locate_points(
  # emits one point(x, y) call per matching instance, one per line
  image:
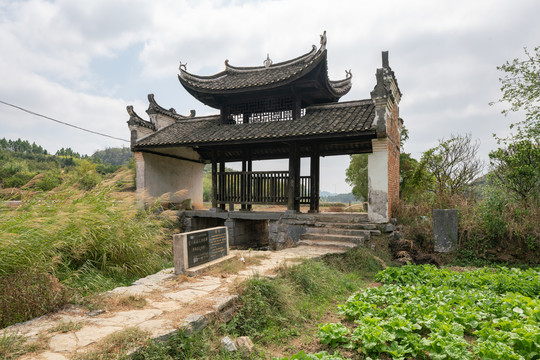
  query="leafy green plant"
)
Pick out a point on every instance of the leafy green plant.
point(334, 334)
point(323, 355)
point(424, 312)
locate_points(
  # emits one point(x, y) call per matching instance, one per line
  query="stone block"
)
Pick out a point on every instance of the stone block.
point(225, 303)
point(245, 345)
point(226, 315)
point(387, 228)
point(228, 344)
point(445, 229)
point(194, 323)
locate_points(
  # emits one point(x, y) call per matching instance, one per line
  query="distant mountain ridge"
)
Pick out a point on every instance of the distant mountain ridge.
point(333, 197)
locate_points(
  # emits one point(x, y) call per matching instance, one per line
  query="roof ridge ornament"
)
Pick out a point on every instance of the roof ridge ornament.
point(268, 62)
point(348, 74)
point(323, 41)
point(182, 67)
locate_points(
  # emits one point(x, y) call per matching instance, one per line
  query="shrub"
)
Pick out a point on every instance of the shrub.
point(492, 215)
point(18, 180)
point(87, 175)
point(49, 181)
point(264, 306)
point(29, 293)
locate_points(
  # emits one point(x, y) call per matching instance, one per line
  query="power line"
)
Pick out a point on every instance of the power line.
point(61, 122)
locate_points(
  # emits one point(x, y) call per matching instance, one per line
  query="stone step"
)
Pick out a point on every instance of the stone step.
point(328, 243)
point(359, 240)
point(339, 231)
point(341, 217)
point(359, 226)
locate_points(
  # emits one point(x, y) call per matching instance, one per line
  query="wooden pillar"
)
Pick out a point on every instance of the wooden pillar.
point(244, 180)
point(293, 201)
point(249, 182)
point(214, 180)
point(315, 176)
point(222, 186)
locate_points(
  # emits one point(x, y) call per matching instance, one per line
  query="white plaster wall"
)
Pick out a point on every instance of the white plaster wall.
point(159, 175)
point(378, 182)
point(163, 121)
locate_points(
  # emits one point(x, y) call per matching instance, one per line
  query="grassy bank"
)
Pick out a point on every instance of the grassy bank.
point(280, 315)
point(69, 242)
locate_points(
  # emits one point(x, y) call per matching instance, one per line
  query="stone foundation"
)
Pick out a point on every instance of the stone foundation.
point(262, 229)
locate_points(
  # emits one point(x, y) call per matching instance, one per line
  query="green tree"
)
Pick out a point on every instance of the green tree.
point(357, 172)
point(454, 163)
point(357, 175)
point(517, 168)
point(521, 91)
point(516, 164)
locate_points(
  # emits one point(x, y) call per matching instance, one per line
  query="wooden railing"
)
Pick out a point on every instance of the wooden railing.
point(305, 186)
point(258, 187)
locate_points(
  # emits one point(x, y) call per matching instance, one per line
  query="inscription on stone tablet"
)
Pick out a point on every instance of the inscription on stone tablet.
point(217, 243)
point(205, 246)
point(198, 249)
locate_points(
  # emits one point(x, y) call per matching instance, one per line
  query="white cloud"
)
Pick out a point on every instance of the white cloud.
point(444, 54)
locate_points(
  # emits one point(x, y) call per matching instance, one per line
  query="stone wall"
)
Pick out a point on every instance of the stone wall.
point(255, 230)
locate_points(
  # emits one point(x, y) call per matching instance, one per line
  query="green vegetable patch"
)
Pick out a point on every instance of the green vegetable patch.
point(422, 312)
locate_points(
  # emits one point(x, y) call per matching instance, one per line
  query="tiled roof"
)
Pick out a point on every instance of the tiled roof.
point(135, 119)
point(154, 107)
point(345, 118)
point(235, 79)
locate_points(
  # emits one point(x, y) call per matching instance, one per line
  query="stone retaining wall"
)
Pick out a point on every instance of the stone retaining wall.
point(263, 229)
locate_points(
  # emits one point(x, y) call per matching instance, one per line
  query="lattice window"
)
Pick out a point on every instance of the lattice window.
point(262, 110)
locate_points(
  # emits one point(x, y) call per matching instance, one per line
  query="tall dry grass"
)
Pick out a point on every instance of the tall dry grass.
point(89, 240)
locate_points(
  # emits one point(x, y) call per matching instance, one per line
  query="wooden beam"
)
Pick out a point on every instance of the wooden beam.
point(172, 156)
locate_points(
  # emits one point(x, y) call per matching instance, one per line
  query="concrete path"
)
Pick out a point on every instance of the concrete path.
point(171, 302)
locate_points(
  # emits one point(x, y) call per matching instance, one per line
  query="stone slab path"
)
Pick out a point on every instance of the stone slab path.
point(170, 302)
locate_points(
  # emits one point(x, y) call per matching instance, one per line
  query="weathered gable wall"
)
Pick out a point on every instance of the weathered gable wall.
point(158, 175)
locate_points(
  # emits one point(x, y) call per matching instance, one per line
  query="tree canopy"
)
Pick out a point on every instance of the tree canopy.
point(516, 165)
point(521, 90)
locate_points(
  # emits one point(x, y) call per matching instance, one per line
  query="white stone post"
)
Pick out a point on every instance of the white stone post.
point(378, 182)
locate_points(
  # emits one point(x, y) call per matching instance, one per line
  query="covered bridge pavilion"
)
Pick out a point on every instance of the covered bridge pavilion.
point(287, 110)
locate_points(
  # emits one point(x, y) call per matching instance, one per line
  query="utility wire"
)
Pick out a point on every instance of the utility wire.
point(61, 122)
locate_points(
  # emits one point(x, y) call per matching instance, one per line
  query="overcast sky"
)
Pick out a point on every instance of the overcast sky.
point(82, 62)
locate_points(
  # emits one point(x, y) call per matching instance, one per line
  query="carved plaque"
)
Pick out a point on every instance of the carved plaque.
point(205, 246)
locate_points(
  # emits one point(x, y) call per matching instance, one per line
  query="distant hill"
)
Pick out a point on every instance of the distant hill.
point(343, 198)
point(326, 193)
point(21, 161)
point(114, 156)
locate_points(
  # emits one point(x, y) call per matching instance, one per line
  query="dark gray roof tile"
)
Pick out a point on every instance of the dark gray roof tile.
point(347, 117)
